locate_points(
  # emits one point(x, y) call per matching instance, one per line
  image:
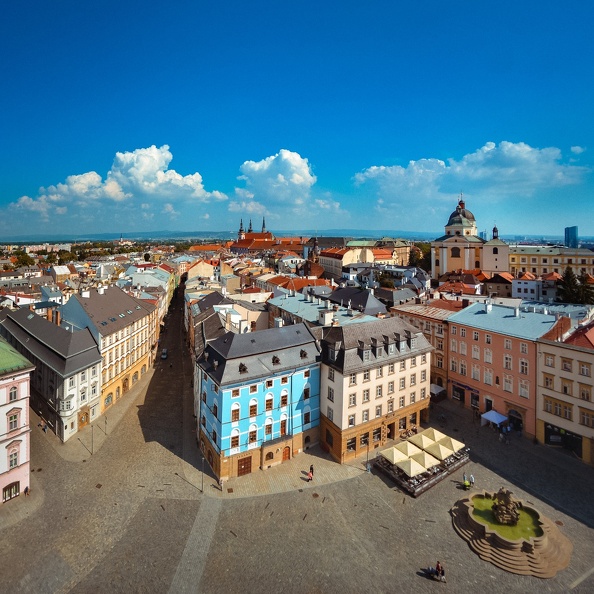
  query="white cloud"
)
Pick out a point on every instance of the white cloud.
point(577, 150)
point(135, 178)
point(492, 173)
point(283, 179)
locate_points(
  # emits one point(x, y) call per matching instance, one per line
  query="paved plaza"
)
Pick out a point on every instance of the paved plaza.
point(125, 507)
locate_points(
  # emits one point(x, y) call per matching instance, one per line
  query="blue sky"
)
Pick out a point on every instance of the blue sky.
point(189, 115)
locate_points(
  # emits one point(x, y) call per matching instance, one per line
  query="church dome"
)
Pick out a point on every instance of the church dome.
point(461, 216)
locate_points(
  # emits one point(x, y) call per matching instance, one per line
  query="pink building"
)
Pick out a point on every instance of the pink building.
point(15, 373)
point(492, 361)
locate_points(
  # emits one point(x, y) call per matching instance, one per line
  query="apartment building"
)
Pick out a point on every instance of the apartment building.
point(256, 399)
point(374, 384)
point(493, 360)
point(15, 371)
point(565, 404)
point(66, 383)
point(125, 329)
point(541, 260)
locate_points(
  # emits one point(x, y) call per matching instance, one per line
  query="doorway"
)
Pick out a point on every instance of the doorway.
point(286, 453)
point(244, 466)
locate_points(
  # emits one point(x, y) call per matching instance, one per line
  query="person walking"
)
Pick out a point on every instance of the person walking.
point(472, 480)
point(311, 469)
point(309, 476)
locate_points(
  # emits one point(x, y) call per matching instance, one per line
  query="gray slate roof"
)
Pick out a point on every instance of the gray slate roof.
point(63, 351)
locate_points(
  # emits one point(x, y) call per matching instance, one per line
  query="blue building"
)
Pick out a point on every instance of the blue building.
point(571, 237)
point(258, 399)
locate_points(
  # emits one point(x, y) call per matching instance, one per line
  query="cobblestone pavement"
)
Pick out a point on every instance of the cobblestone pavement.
point(132, 516)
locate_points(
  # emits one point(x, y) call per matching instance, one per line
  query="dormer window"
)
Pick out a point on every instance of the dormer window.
point(332, 353)
point(243, 368)
point(303, 354)
point(275, 360)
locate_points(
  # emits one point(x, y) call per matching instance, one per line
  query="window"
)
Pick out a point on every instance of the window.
point(364, 441)
point(586, 418)
point(391, 368)
point(401, 402)
point(12, 395)
point(548, 381)
point(235, 440)
point(463, 332)
point(94, 371)
point(507, 362)
point(269, 384)
point(214, 435)
point(488, 338)
point(508, 384)
point(585, 369)
point(306, 373)
point(83, 395)
point(454, 345)
point(71, 382)
point(352, 399)
point(269, 404)
point(488, 356)
point(413, 361)
point(253, 436)
point(423, 393)
point(13, 460)
point(331, 374)
point(235, 393)
point(253, 389)
point(366, 375)
point(567, 412)
point(523, 348)
point(439, 362)
point(254, 409)
point(365, 416)
point(454, 330)
point(566, 365)
point(378, 392)
point(351, 420)
point(549, 360)
point(413, 397)
point(330, 394)
point(351, 444)
point(235, 413)
point(379, 372)
point(488, 377)
point(475, 335)
point(215, 411)
point(523, 366)
point(284, 399)
point(566, 387)
point(284, 380)
point(83, 376)
point(508, 344)
point(402, 365)
point(476, 352)
point(352, 379)
point(454, 365)
point(306, 418)
point(13, 422)
point(390, 387)
point(377, 434)
point(378, 411)
point(476, 372)
point(413, 379)
point(585, 392)
point(305, 393)
point(439, 329)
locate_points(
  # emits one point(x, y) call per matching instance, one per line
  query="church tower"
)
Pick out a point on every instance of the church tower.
point(263, 225)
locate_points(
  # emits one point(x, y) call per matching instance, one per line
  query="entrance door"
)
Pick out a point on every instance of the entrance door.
point(286, 453)
point(244, 466)
point(391, 430)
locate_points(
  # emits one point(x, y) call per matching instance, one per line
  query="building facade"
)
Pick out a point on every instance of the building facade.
point(257, 399)
point(374, 385)
point(125, 329)
point(15, 373)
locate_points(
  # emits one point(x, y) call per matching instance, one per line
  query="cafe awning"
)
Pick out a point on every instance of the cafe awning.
point(433, 434)
point(393, 455)
point(421, 440)
point(492, 416)
point(411, 467)
point(407, 448)
point(425, 459)
point(439, 450)
point(452, 444)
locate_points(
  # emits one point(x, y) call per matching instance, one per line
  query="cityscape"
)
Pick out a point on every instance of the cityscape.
point(296, 297)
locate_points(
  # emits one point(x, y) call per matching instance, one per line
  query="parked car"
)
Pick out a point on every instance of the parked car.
point(164, 354)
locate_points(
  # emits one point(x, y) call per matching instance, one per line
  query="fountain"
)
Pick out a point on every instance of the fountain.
point(511, 535)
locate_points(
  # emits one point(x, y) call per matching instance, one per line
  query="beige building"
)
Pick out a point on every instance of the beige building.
point(565, 406)
point(374, 384)
point(539, 260)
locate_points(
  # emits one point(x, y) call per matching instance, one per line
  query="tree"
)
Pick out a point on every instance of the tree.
point(420, 255)
point(147, 257)
point(568, 288)
point(586, 290)
point(23, 259)
point(385, 280)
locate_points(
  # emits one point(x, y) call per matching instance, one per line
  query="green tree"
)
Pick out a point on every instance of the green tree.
point(147, 257)
point(586, 290)
point(23, 259)
point(568, 288)
point(385, 280)
point(420, 255)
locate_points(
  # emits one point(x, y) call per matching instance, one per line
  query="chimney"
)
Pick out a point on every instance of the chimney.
point(215, 364)
point(516, 312)
point(56, 317)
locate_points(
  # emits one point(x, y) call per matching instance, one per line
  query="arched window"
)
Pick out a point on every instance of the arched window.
point(13, 394)
point(477, 264)
point(495, 250)
point(269, 456)
point(253, 407)
point(235, 438)
point(437, 262)
point(235, 409)
point(455, 252)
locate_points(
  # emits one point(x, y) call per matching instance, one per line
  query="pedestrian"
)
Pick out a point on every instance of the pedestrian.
point(472, 480)
point(464, 477)
point(311, 469)
point(309, 476)
point(27, 491)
